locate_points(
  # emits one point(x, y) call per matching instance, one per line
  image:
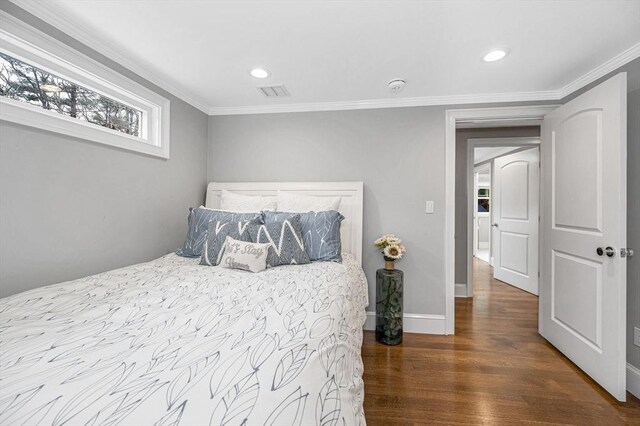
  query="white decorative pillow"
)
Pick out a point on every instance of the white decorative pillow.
point(230, 201)
point(297, 203)
point(243, 255)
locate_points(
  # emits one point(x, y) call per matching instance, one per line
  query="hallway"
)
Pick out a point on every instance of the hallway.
point(495, 370)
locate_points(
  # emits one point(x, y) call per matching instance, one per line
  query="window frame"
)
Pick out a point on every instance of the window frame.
point(25, 43)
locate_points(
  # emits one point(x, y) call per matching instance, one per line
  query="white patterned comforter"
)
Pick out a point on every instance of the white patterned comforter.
point(170, 342)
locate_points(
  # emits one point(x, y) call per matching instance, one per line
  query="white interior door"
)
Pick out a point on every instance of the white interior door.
point(475, 213)
point(515, 208)
point(583, 290)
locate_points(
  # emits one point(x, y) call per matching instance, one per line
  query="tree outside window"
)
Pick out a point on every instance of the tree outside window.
point(27, 83)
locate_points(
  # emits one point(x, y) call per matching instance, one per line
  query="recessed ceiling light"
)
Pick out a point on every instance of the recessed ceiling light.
point(494, 55)
point(259, 73)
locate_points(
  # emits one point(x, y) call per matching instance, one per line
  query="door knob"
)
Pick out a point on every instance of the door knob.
point(626, 252)
point(609, 251)
point(495, 225)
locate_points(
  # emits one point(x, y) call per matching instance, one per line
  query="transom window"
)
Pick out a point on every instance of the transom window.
point(30, 84)
point(49, 85)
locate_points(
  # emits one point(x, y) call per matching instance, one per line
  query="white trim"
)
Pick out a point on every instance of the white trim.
point(451, 116)
point(387, 103)
point(461, 290)
point(351, 202)
point(524, 142)
point(413, 323)
point(600, 71)
point(471, 213)
point(633, 380)
point(27, 44)
point(370, 321)
point(449, 221)
point(47, 11)
point(19, 112)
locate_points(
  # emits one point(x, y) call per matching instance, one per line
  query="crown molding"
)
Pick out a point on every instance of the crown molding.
point(600, 71)
point(549, 95)
point(47, 12)
point(389, 103)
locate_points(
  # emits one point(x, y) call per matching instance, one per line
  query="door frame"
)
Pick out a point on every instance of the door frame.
point(496, 116)
point(521, 144)
point(481, 168)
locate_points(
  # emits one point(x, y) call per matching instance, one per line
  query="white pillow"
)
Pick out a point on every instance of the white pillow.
point(244, 255)
point(297, 203)
point(233, 202)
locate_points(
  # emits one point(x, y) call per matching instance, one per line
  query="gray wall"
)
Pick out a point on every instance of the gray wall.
point(70, 208)
point(398, 153)
point(462, 136)
point(633, 223)
point(484, 229)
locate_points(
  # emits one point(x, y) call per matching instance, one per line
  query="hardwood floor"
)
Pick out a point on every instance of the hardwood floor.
point(496, 370)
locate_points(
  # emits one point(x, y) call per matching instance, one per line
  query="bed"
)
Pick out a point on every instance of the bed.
point(171, 342)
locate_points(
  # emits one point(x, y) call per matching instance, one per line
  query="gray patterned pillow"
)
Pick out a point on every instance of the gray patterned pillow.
point(320, 233)
point(285, 239)
point(199, 224)
point(217, 234)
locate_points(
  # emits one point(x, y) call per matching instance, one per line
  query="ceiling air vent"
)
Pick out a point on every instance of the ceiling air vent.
point(274, 91)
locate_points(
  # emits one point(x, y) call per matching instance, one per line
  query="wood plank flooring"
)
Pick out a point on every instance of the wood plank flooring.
point(496, 370)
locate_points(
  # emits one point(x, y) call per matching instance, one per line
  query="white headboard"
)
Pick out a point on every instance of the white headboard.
point(350, 205)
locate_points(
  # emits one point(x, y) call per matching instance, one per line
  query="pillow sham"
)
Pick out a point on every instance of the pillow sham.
point(246, 203)
point(198, 221)
point(292, 202)
point(320, 232)
point(244, 255)
point(286, 246)
point(217, 234)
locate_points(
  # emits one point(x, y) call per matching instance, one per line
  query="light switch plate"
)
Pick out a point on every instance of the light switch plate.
point(430, 207)
point(636, 336)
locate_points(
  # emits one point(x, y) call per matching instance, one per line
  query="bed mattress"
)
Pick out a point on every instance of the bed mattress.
point(170, 342)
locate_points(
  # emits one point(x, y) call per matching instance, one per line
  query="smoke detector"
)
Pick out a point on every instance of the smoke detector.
point(396, 85)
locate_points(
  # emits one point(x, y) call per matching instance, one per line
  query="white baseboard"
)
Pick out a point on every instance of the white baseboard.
point(370, 322)
point(413, 323)
point(461, 290)
point(633, 380)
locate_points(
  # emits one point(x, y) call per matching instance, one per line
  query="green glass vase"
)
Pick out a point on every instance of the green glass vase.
point(389, 306)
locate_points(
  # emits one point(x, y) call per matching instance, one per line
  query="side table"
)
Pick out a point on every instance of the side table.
point(389, 306)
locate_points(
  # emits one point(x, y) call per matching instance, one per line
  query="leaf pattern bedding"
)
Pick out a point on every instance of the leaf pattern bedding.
point(170, 342)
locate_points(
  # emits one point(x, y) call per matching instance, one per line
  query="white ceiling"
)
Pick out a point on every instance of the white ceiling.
point(340, 54)
point(487, 153)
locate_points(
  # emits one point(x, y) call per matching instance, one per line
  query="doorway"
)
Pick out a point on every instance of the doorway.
point(583, 152)
point(481, 207)
point(455, 194)
point(503, 210)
